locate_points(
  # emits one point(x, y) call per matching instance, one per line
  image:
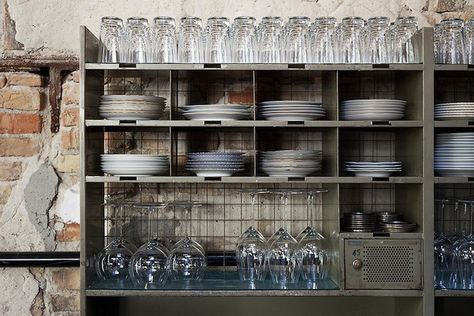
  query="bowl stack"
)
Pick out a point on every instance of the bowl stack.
point(131, 107)
point(290, 163)
point(291, 110)
point(454, 154)
point(454, 111)
point(134, 165)
point(216, 112)
point(215, 164)
point(372, 109)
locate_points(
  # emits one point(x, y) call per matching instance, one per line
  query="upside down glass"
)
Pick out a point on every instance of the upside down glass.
point(323, 40)
point(469, 41)
point(376, 43)
point(297, 39)
point(452, 41)
point(216, 40)
point(403, 48)
point(243, 39)
point(350, 40)
point(137, 39)
point(270, 40)
point(164, 40)
point(110, 40)
point(190, 40)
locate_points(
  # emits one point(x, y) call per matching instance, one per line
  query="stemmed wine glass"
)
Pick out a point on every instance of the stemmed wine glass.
point(112, 262)
point(281, 256)
point(442, 252)
point(187, 260)
point(148, 263)
point(464, 254)
point(250, 253)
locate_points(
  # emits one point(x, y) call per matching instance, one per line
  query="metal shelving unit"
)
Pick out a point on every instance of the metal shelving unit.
point(410, 141)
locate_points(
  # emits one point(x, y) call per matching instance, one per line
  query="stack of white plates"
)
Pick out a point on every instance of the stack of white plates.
point(454, 154)
point(215, 164)
point(134, 165)
point(290, 163)
point(216, 112)
point(454, 111)
point(372, 109)
point(131, 107)
point(373, 169)
point(291, 110)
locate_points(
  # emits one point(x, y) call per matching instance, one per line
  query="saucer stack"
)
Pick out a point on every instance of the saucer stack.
point(291, 110)
point(131, 107)
point(373, 169)
point(290, 163)
point(372, 109)
point(454, 111)
point(454, 154)
point(134, 165)
point(216, 112)
point(215, 164)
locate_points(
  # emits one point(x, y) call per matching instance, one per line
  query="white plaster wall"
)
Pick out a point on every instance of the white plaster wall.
point(52, 26)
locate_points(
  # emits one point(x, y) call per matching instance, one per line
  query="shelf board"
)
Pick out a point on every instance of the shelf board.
point(415, 235)
point(191, 179)
point(255, 66)
point(454, 123)
point(248, 123)
point(454, 293)
point(454, 179)
point(240, 293)
point(443, 67)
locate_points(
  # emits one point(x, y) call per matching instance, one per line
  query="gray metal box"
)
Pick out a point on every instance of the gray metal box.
point(383, 264)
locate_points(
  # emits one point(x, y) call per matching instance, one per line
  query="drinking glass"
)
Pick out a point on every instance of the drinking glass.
point(137, 37)
point(452, 41)
point(313, 260)
point(403, 49)
point(164, 40)
point(437, 43)
point(187, 260)
point(322, 39)
point(297, 39)
point(442, 253)
point(110, 40)
point(113, 261)
point(376, 44)
point(148, 263)
point(469, 41)
point(350, 40)
point(243, 38)
point(190, 40)
point(216, 40)
point(270, 40)
point(281, 256)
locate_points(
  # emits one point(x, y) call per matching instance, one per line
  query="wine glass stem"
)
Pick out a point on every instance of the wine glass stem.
point(253, 197)
point(188, 217)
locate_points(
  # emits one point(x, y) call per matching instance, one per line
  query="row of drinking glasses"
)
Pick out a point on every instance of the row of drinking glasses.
point(152, 264)
point(454, 253)
point(286, 258)
point(299, 40)
point(454, 42)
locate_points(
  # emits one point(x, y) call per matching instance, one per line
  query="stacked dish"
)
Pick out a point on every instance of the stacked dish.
point(454, 154)
point(291, 110)
point(359, 222)
point(216, 112)
point(372, 109)
point(215, 164)
point(454, 111)
point(387, 217)
point(134, 165)
point(290, 163)
point(373, 169)
point(131, 107)
point(397, 227)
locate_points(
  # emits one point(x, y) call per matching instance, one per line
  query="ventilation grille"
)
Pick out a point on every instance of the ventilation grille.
point(388, 264)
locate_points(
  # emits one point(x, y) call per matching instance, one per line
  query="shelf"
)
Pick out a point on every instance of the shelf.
point(442, 67)
point(256, 66)
point(415, 235)
point(454, 124)
point(454, 179)
point(454, 293)
point(249, 123)
point(256, 180)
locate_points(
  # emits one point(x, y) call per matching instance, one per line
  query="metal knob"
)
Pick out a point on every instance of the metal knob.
point(357, 264)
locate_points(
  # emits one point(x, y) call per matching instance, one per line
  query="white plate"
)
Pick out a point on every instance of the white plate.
point(289, 102)
point(368, 116)
point(372, 174)
point(216, 116)
point(292, 117)
point(374, 101)
point(215, 173)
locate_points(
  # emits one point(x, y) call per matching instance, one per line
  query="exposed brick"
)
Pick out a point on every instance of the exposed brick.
point(64, 303)
point(24, 79)
point(70, 94)
point(20, 123)
point(70, 139)
point(10, 171)
point(67, 279)
point(244, 96)
point(20, 99)
point(5, 191)
point(70, 116)
point(68, 163)
point(15, 146)
point(70, 232)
